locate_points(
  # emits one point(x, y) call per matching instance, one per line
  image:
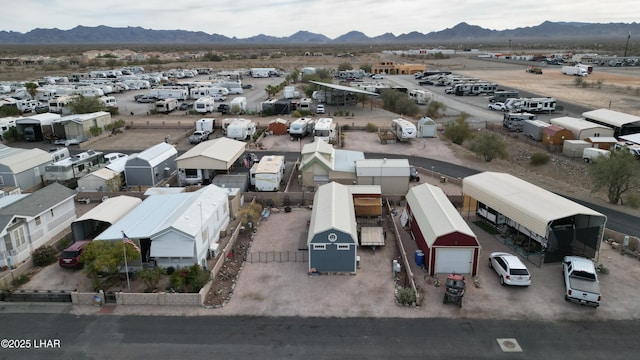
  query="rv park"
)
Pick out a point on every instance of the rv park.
point(286, 288)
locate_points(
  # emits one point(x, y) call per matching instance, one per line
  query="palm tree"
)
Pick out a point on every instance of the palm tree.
point(31, 88)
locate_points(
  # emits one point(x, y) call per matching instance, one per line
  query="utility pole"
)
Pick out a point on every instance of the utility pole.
point(626, 46)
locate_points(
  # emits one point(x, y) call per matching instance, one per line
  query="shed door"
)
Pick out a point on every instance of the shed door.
point(450, 260)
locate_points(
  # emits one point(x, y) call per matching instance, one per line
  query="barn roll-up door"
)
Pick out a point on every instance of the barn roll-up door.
point(449, 260)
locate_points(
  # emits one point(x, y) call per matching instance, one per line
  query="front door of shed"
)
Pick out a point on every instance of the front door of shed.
point(450, 260)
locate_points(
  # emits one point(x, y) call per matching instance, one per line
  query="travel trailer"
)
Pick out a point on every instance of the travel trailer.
point(238, 105)
point(403, 129)
point(267, 174)
point(300, 128)
point(421, 97)
point(205, 104)
point(167, 105)
point(241, 129)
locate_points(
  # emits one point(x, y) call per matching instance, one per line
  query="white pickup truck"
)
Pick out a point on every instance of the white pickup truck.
point(581, 281)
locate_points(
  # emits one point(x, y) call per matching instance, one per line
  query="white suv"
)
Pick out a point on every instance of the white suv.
point(320, 109)
point(510, 269)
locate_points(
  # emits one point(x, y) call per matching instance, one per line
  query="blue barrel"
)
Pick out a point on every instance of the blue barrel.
point(419, 258)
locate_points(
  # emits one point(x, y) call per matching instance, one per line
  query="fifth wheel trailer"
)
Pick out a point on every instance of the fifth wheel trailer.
point(267, 174)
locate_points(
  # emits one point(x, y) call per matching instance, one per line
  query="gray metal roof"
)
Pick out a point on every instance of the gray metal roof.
point(221, 150)
point(345, 88)
point(155, 154)
point(36, 203)
point(157, 213)
point(19, 160)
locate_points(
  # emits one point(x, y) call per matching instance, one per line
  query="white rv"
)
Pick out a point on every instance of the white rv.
point(238, 105)
point(219, 93)
point(262, 72)
point(60, 105)
point(538, 105)
point(421, 97)
point(178, 93)
point(403, 129)
point(267, 174)
point(300, 128)
point(241, 129)
point(325, 130)
point(167, 105)
point(109, 101)
point(205, 104)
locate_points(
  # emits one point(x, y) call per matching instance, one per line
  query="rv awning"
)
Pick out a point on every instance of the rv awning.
point(171, 249)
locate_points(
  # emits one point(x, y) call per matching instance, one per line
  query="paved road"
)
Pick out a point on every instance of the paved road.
point(130, 337)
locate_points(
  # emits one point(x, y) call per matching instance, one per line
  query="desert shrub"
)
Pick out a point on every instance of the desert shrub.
point(20, 280)
point(190, 279)
point(539, 159)
point(633, 200)
point(44, 255)
point(346, 127)
point(371, 127)
point(171, 270)
point(150, 276)
point(406, 296)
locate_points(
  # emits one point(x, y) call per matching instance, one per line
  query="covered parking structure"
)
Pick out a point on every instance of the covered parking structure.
point(98, 219)
point(343, 91)
point(535, 221)
point(205, 160)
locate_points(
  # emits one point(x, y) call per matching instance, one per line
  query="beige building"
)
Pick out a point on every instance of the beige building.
point(392, 68)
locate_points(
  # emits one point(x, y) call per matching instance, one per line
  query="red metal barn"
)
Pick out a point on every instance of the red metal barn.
point(278, 126)
point(441, 233)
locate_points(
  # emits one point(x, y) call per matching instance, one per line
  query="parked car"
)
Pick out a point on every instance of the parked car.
point(198, 136)
point(377, 76)
point(498, 106)
point(320, 109)
point(146, 99)
point(223, 108)
point(449, 90)
point(185, 106)
point(425, 82)
point(247, 86)
point(510, 269)
point(70, 257)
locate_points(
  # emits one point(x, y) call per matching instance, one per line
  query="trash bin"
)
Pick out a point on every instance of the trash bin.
point(443, 179)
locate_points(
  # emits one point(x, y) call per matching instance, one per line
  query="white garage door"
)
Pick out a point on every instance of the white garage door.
point(450, 260)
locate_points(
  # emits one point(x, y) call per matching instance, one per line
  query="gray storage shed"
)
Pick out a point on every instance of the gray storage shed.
point(427, 127)
point(152, 166)
point(534, 128)
point(22, 168)
point(333, 233)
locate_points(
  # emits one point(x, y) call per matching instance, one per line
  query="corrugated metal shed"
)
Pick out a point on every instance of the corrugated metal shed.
point(154, 155)
point(217, 154)
point(332, 209)
point(523, 202)
point(438, 217)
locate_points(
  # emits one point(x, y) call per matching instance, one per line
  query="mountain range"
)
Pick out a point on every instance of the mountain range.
point(463, 32)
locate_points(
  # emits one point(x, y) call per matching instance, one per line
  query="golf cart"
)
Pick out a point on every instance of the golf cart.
point(454, 289)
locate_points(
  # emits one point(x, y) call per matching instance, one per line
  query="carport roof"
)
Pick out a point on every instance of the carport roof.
point(345, 88)
point(222, 149)
point(527, 204)
point(112, 209)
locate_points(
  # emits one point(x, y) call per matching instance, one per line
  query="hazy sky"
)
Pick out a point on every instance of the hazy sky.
point(245, 18)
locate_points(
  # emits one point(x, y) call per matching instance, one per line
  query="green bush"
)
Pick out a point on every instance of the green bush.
point(346, 127)
point(539, 159)
point(44, 255)
point(190, 279)
point(150, 276)
point(171, 270)
point(406, 296)
point(633, 201)
point(371, 127)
